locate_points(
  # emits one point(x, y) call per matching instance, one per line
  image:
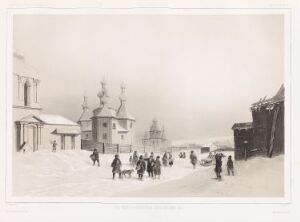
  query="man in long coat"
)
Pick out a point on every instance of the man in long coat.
point(116, 165)
point(141, 167)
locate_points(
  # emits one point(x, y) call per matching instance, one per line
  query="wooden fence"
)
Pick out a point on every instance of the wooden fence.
point(106, 148)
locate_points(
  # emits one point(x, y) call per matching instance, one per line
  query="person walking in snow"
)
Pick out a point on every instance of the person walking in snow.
point(150, 165)
point(218, 167)
point(141, 167)
point(54, 144)
point(165, 160)
point(157, 168)
point(116, 165)
point(95, 157)
point(193, 159)
point(135, 158)
point(230, 166)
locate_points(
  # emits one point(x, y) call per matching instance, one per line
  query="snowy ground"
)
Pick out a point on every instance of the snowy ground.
point(70, 173)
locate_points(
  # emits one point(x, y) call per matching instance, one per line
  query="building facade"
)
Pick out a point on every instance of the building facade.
point(32, 129)
point(107, 126)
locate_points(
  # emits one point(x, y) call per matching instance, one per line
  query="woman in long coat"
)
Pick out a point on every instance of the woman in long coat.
point(116, 165)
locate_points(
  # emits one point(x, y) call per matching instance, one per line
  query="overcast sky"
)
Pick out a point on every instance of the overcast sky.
point(197, 74)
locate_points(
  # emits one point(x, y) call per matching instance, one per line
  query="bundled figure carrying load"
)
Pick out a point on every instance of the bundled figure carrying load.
point(157, 167)
point(116, 165)
point(141, 167)
point(95, 157)
point(193, 159)
point(218, 168)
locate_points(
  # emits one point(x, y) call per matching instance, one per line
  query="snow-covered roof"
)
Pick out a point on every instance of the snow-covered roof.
point(104, 111)
point(123, 112)
point(85, 115)
point(48, 119)
point(55, 119)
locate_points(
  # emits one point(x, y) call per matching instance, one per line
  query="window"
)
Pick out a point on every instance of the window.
point(104, 125)
point(104, 136)
point(27, 94)
point(114, 126)
point(122, 137)
point(130, 124)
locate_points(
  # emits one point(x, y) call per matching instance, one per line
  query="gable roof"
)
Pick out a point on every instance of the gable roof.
point(48, 119)
point(55, 119)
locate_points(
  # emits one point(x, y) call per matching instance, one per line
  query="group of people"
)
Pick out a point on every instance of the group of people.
point(218, 163)
point(153, 165)
point(145, 163)
point(167, 159)
point(182, 155)
point(218, 167)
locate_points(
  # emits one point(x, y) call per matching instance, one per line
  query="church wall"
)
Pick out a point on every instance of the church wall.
point(127, 136)
point(101, 130)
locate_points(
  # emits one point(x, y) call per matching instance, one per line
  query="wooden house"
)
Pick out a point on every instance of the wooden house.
point(243, 140)
point(265, 135)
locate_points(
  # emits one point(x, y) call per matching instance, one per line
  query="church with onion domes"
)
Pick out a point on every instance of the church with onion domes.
point(106, 125)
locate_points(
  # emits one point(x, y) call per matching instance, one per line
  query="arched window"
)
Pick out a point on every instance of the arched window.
point(27, 93)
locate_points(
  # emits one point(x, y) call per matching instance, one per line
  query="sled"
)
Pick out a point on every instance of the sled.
point(206, 162)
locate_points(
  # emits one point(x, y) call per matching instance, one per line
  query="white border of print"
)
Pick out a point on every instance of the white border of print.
point(88, 11)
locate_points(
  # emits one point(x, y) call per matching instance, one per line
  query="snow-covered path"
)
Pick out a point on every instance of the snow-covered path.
point(259, 177)
point(71, 174)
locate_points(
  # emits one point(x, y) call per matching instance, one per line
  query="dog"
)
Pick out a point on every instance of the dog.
point(127, 172)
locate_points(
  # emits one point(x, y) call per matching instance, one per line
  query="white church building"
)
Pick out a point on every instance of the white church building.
point(105, 125)
point(34, 130)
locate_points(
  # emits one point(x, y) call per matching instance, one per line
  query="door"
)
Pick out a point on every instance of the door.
point(67, 142)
